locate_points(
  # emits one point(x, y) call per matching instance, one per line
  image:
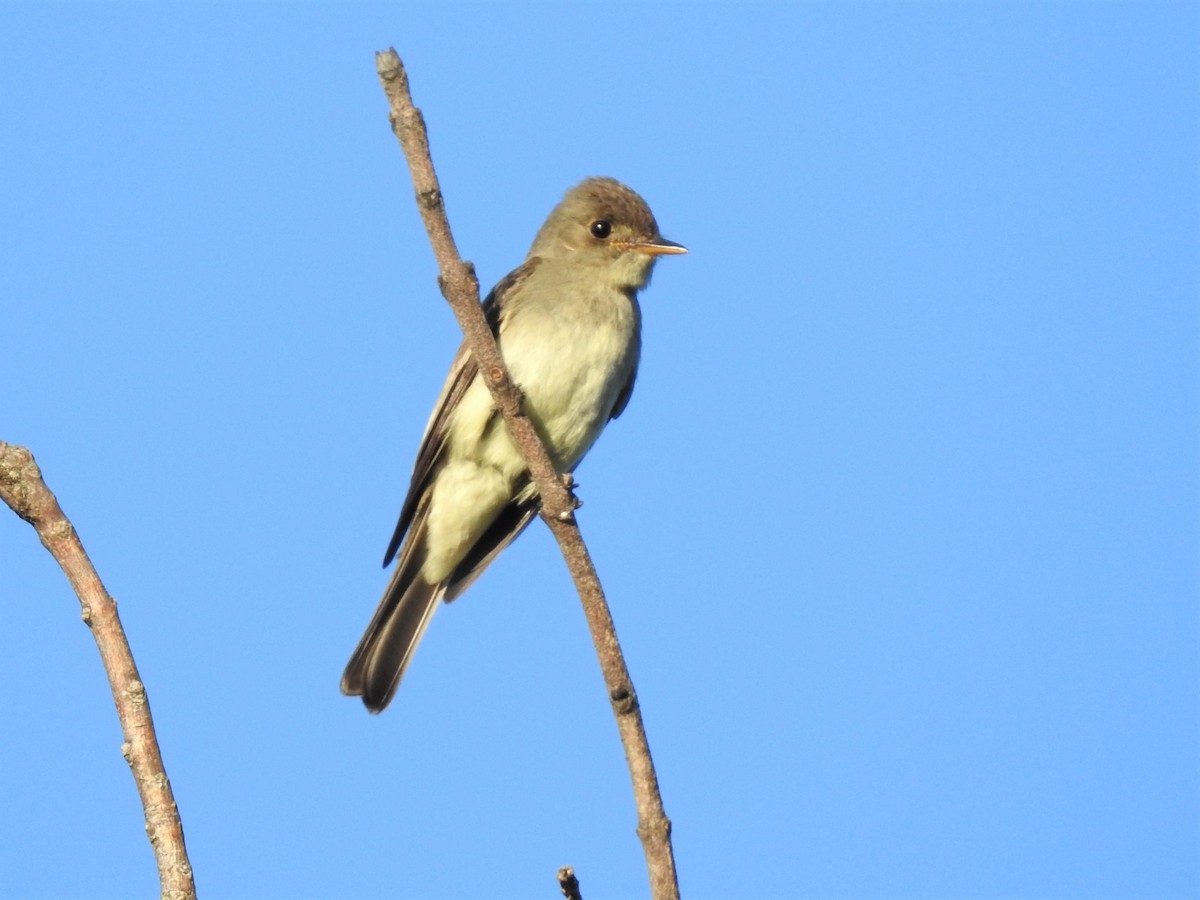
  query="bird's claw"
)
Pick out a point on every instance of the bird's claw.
point(569, 484)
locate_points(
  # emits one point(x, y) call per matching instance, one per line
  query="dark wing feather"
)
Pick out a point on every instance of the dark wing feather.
point(462, 373)
point(627, 388)
point(626, 393)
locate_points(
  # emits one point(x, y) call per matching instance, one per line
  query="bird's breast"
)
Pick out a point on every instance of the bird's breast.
point(571, 360)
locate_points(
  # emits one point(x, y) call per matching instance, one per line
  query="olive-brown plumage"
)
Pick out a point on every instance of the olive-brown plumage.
point(568, 325)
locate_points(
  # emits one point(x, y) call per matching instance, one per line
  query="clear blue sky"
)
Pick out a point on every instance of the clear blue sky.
point(900, 528)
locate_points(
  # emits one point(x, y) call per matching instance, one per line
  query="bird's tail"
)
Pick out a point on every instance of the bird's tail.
point(379, 660)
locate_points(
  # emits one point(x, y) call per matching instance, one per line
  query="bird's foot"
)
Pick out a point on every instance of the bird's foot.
point(569, 482)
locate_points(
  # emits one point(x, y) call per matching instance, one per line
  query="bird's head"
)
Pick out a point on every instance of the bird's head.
point(604, 226)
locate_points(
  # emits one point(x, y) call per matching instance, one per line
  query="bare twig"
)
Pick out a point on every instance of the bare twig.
point(461, 289)
point(569, 884)
point(22, 488)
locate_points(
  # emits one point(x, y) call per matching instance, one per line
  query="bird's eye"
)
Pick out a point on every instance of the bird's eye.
point(601, 228)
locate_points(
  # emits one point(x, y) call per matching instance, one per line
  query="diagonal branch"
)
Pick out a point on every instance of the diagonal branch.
point(22, 488)
point(461, 289)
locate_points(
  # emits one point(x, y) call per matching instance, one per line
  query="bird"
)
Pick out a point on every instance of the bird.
point(568, 326)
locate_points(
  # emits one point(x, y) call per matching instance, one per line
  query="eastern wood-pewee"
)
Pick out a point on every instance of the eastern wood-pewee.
point(569, 328)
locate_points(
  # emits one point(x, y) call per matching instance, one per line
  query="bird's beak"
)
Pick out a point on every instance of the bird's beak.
point(657, 247)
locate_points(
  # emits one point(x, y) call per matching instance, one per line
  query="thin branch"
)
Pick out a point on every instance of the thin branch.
point(461, 289)
point(22, 488)
point(569, 884)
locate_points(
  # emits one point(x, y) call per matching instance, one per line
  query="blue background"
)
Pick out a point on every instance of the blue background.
point(900, 528)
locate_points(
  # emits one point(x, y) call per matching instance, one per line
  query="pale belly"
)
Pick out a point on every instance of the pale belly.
point(571, 371)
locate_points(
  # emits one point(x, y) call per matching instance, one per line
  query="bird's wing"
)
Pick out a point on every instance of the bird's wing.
point(627, 388)
point(462, 372)
point(625, 394)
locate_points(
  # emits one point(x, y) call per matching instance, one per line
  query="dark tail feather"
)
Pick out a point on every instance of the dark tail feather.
point(408, 604)
point(379, 661)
